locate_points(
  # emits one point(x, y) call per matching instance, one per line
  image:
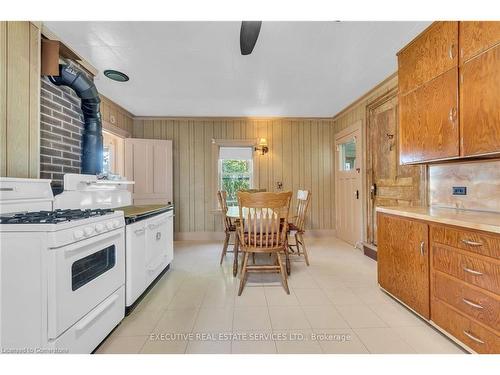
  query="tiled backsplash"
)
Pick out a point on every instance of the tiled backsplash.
point(481, 178)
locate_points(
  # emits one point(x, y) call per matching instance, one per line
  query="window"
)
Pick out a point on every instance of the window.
point(87, 269)
point(347, 153)
point(235, 166)
point(112, 154)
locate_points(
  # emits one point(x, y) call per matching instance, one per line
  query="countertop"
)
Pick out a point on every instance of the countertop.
point(130, 211)
point(480, 220)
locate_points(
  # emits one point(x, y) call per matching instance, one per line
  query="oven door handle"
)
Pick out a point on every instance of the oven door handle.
point(98, 311)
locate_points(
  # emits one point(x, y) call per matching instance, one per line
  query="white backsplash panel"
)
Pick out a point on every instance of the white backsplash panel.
point(481, 178)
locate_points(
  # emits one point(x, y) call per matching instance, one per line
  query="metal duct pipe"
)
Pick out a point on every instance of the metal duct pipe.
point(90, 103)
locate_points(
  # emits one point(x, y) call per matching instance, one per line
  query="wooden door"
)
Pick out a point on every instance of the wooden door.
point(148, 162)
point(428, 120)
point(389, 183)
point(348, 186)
point(476, 37)
point(429, 55)
point(403, 260)
point(480, 104)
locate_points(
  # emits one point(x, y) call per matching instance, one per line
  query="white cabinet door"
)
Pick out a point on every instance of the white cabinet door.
point(136, 276)
point(148, 162)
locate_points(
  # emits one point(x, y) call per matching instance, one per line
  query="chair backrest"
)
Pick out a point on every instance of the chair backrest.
point(303, 200)
point(222, 197)
point(265, 220)
point(252, 190)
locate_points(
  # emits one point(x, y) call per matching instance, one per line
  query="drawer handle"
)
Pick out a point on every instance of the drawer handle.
point(477, 273)
point(422, 244)
point(470, 303)
point(472, 337)
point(139, 231)
point(84, 323)
point(472, 243)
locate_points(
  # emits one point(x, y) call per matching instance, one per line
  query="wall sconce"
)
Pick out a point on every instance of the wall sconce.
point(262, 146)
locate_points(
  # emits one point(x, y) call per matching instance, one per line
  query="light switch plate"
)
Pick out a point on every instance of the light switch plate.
point(459, 190)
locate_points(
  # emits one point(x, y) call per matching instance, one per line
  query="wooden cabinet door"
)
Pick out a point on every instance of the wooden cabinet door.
point(431, 54)
point(403, 261)
point(476, 37)
point(480, 104)
point(429, 121)
point(148, 162)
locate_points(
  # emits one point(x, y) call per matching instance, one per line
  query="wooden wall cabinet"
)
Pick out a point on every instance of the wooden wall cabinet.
point(480, 103)
point(449, 89)
point(148, 162)
point(431, 54)
point(429, 115)
point(403, 261)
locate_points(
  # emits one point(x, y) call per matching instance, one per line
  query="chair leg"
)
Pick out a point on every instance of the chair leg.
point(224, 248)
point(236, 250)
point(283, 274)
point(243, 273)
point(253, 258)
point(304, 249)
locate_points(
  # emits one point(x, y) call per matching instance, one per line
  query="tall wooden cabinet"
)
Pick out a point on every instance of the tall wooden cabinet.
point(403, 261)
point(449, 86)
point(148, 162)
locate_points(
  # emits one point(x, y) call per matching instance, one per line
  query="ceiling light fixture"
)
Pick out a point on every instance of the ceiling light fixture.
point(115, 75)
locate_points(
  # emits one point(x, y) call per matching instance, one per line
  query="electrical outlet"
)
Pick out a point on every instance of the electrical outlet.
point(459, 190)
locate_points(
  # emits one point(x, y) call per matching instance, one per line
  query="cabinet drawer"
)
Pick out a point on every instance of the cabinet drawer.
point(432, 53)
point(468, 300)
point(472, 334)
point(476, 242)
point(474, 270)
point(477, 37)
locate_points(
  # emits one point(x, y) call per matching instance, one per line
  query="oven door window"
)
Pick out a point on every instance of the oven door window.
point(87, 269)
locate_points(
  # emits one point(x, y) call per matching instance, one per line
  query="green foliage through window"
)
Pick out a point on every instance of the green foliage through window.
point(235, 175)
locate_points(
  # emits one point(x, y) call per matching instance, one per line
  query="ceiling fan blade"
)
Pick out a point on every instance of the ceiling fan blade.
point(248, 36)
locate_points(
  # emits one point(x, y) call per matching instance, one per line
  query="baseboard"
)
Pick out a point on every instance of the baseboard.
point(370, 250)
point(219, 236)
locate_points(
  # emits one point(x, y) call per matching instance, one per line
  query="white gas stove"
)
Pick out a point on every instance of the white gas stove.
point(148, 230)
point(62, 272)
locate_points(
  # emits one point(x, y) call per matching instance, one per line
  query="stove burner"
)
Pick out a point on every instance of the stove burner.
point(53, 217)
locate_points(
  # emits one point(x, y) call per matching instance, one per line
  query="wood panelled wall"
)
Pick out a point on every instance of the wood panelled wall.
point(357, 110)
point(19, 99)
point(301, 153)
point(116, 118)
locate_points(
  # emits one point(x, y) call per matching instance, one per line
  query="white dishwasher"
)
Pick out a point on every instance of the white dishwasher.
point(149, 249)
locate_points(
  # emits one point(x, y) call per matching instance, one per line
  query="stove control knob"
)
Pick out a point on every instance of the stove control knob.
point(116, 223)
point(88, 231)
point(78, 234)
point(99, 228)
point(109, 225)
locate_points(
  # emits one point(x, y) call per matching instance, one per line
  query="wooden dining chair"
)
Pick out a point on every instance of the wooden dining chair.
point(297, 225)
point(229, 226)
point(263, 229)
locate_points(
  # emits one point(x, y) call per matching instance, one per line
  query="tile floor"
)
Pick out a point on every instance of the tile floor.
point(334, 306)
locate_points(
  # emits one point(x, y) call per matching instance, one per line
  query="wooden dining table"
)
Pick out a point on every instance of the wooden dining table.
point(233, 212)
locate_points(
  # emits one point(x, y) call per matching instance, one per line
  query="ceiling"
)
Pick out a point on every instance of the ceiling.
point(306, 69)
